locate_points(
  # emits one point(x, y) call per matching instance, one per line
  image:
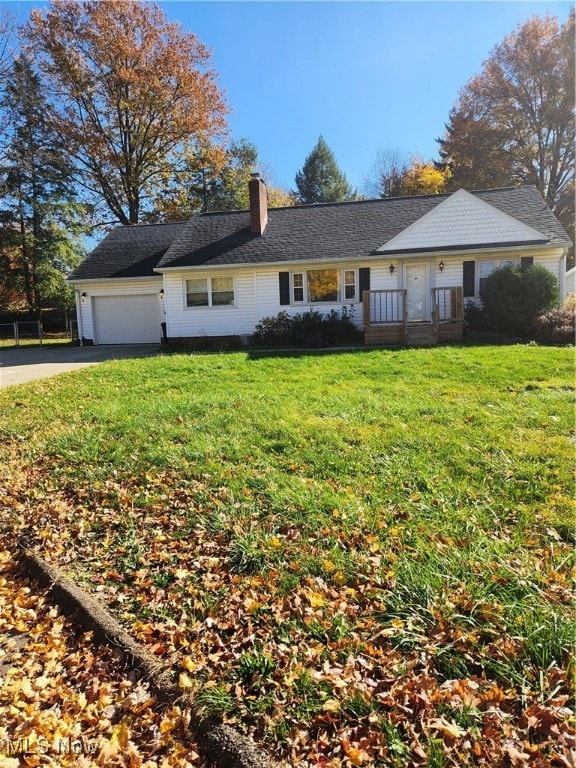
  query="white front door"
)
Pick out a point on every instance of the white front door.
point(417, 289)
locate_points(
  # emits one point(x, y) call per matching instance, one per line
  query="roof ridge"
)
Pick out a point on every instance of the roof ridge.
point(128, 227)
point(431, 195)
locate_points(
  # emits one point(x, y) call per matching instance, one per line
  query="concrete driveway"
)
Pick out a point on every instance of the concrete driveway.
point(28, 363)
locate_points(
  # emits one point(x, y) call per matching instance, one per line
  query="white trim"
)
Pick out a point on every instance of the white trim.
point(460, 218)
point(341, 286)
point(108, 279)
point(498, 264)
point(272, 264)
point(562, 293)
point(78, 300)
point(210, 306)
point(373, 256)
point(464, 252)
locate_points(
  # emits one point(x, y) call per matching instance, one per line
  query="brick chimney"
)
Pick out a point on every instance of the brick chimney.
point(258, 204)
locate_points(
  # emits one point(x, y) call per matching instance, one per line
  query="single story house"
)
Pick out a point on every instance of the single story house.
point(405, 266)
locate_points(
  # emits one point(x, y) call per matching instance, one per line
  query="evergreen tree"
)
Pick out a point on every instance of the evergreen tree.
point(38, 213)
point(321, 180)
point(214, 179)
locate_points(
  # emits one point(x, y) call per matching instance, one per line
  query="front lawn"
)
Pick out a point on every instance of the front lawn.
point(359, 557)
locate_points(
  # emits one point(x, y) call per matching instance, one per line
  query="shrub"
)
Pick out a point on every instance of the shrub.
point(513, 298)
point(307, 329)
point(475, 318)
point(555, 327)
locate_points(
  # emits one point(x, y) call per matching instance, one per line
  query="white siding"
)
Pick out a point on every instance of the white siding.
point(257, 290)
point(183, 321)
point(569, 287)
point(462, 219)
point(133, 286)
point(268, 291)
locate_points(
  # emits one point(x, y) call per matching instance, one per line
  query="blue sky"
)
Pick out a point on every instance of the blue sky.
point(368, 76)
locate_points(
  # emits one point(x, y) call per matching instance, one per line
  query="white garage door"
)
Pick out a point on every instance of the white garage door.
point(126, 319)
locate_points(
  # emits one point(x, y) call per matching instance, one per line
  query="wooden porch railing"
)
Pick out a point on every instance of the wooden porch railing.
point(384, 307)
point(447, 306)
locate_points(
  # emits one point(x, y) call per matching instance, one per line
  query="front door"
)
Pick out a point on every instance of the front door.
point(417, 290)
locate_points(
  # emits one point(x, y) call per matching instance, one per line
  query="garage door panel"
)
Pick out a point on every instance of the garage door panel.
point(126, 319)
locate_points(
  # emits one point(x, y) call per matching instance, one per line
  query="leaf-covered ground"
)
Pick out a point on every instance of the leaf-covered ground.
point(360, 559)
point(64, 701)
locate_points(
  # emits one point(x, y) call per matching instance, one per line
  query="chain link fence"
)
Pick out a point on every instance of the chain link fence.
point(29, 332)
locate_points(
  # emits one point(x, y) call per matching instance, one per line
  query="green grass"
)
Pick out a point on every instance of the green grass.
point(410, 510)
point(51, 339)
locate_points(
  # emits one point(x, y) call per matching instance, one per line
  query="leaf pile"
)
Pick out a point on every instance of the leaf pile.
point(65, 701)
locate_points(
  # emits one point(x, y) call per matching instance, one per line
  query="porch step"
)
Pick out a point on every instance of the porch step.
point(420, 335)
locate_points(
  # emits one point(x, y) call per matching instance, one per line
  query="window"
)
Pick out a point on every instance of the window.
point(222, 291)
point(322, 286)
point(196, 293)
point(350, 284)
point(210, 292)
point(485, 268)
point(298, 287)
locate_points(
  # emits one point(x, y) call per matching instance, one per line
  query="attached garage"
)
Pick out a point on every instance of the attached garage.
point(126, 319)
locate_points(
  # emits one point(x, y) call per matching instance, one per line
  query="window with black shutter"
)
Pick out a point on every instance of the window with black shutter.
point(284, 285)
point(363, 280)
point(468, 278)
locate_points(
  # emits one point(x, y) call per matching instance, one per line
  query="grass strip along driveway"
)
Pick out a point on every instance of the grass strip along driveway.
point(357, 558)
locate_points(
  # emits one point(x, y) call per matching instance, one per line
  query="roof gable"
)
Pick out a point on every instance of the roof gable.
point(462, 220)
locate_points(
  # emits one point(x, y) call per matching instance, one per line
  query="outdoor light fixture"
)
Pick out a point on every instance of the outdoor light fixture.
point(392, 269)
point(83, 297)
point(441, 266)
point(161, 293)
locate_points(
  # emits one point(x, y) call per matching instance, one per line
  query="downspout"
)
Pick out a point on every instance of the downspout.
point(562, 285)
point(79, 317)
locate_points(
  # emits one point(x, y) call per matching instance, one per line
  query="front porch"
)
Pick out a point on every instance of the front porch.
point(386, 321)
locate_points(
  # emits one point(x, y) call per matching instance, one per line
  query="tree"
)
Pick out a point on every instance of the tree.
point(215, 179)
point(514, 122)
point(7, 42)
point(395, 175)
point(131, 91)
point(423, 178)
point(7, 46)
point(386, 174)
point(320, 180)
point(39, 214)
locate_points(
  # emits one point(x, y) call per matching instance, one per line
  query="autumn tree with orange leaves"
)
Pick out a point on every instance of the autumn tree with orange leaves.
point(131, 92)
point(514, 122)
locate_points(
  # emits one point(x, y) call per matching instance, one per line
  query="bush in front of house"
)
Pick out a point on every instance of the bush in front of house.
point(556, 327)
point(513, 298)
point(307, 329)
point(475, 319)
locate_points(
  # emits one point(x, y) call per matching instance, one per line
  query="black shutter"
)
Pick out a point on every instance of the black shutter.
point(284, 284)
point(526, 261)
point(468, 277)
point(363, 280)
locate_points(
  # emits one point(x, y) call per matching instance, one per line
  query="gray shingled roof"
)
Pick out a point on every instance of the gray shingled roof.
point(129, 251)
point(303, 233)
